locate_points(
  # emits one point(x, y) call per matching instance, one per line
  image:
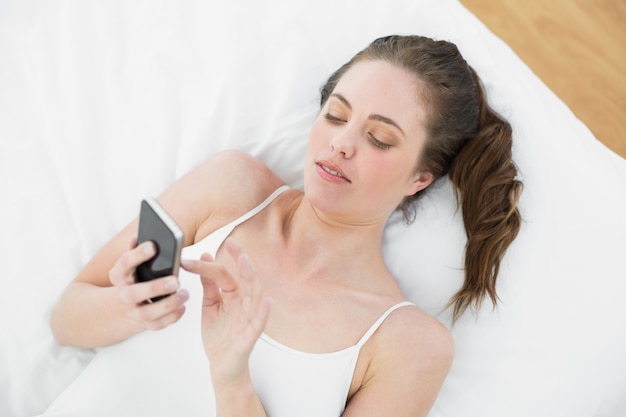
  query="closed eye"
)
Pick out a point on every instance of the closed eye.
point(333, 119)
point(377, 143)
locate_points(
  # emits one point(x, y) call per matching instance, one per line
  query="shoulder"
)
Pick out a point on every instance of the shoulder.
point(415, 336)
point(218, 190)
point(238, 179)
point(237, 171)
point(409, 359)
point(236, 163)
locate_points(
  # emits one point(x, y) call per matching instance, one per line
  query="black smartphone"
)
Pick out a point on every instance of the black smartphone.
point(157, 226)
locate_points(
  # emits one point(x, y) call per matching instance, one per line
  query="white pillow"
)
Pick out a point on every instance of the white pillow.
point(106, 103)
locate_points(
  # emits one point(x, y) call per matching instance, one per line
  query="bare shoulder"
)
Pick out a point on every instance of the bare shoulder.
point(218, 190)
point(238, 175)
point(409, 359)
point(414, 334)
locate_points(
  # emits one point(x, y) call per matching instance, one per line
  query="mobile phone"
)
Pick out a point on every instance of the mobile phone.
point(157, 226)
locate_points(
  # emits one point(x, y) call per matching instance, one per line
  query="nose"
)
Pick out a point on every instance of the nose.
point(344, 142)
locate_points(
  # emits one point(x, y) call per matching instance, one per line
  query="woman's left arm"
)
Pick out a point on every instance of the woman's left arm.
point(234, 313)
point(413, 356)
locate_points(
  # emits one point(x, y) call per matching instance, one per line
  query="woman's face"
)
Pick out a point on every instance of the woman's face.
point(365, 144)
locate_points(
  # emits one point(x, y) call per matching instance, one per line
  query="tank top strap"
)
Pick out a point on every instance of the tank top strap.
point(213, 241)
point(380, 321)
point(258, 208)
point(227, 228)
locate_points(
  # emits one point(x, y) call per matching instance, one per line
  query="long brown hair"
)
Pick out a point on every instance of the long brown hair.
point(466, 140)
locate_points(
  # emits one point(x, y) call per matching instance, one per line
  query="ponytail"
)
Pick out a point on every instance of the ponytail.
point(484, 178)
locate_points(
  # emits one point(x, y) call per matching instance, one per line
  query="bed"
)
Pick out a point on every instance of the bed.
point(105, 103)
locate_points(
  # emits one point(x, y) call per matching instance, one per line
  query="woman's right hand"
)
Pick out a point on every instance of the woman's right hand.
point(134, 296)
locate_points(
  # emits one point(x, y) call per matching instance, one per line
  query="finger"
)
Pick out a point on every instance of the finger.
point(124, 268)
point(257, 323)
point(215, 280)
point(233, 248)
point(245, 266)
point(163, 313)
point(211, 271)
point(260, 319)
point(211, 295)
point(207, 257)
point(166, 320)
point(254, 308)
point(140, 292)
point(243, 262)
point(249, 291)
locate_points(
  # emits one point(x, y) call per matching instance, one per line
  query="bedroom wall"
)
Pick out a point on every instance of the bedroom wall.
point(577, 48)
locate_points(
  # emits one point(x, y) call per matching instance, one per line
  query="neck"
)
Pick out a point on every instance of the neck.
point(331, 247)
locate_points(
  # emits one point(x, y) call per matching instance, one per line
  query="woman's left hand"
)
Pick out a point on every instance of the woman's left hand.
point(234, 313)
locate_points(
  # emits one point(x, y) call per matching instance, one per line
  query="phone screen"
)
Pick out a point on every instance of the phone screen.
point(157, 226)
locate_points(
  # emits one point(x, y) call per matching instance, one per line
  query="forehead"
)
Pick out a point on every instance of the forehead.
point(386, 89)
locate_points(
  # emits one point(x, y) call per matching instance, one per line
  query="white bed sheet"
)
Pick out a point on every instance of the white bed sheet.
point(104, 103)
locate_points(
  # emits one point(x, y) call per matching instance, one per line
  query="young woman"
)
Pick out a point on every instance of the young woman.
point(300, 314)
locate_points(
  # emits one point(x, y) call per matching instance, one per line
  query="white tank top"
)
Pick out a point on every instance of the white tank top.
point(290, 382)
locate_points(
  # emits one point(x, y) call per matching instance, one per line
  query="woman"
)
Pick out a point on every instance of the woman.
point(300, 314)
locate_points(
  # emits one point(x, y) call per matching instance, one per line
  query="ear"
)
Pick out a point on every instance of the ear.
point(420, 180)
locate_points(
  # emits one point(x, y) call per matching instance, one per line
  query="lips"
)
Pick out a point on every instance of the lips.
point(331, 172)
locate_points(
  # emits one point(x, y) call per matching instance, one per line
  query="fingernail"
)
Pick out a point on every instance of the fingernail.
point(149, 249)
point(171, 284)
point(183, 295)
point(233, 243)
point(186, 263)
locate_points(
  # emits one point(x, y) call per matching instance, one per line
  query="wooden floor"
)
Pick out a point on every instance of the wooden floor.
point(577, 47)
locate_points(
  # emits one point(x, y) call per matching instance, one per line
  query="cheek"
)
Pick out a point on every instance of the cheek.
point(319, 137)
point(316, 142)
point(392, 169)
point(317, 133)
point(394, 174)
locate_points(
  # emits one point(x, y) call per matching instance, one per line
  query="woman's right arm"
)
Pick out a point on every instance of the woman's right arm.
point(93, 312)
point(103, 305)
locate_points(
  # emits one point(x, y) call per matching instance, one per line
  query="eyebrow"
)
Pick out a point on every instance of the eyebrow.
point(377, 117)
